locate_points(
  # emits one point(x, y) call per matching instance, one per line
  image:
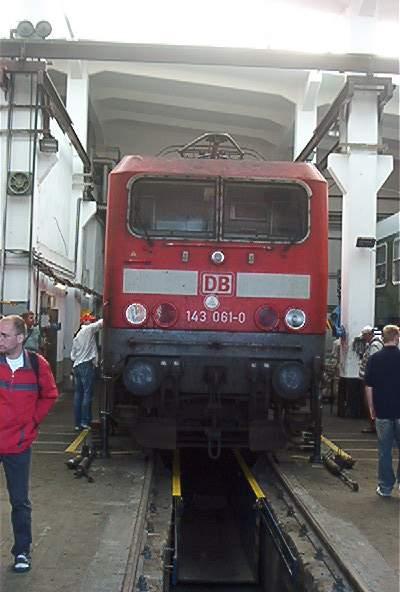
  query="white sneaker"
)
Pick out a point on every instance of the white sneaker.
point(22, 563)
point(381, 493)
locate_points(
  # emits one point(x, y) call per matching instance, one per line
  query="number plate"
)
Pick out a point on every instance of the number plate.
point(217, 316)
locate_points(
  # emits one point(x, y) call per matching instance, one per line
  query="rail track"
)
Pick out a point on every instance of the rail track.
point(218, 525)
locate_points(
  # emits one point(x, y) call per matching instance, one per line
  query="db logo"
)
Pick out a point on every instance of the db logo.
point(217, 283)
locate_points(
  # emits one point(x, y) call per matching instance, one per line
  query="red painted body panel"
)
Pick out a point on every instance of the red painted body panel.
point(236, 314)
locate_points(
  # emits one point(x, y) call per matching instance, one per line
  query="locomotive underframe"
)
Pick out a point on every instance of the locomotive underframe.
point(215, 389)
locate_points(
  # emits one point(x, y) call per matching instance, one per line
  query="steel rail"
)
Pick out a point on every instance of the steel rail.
point(137, 540)
point(352, 577)
point(268, 517)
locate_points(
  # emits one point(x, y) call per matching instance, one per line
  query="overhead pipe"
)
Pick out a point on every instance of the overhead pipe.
point(32, 202)
point(63, 119)
point(10, 90)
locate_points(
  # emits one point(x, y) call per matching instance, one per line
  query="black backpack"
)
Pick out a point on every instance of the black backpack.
point(34, 363)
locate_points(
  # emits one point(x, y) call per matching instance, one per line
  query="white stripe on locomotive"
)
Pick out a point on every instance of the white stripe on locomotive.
point(185, 283)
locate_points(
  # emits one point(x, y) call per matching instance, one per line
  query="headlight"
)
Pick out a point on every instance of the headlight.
point(165, 315)
point(295, 318)
point(291, 380)
point(217, 257)
point(136, 314)
point(266, 318)
point(140, 377)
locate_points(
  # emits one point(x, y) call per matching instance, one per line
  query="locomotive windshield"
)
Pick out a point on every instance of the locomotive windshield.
point(173, 207)
point(250, 210)
point(265, 211)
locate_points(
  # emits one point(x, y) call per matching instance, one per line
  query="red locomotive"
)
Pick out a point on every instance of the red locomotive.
point(215, 296)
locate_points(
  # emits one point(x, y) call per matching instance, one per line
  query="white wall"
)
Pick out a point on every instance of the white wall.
point(55, 218)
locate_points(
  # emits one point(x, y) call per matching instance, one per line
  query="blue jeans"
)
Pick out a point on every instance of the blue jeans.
point(17, 470)
point(388, 432)
point(84, 382)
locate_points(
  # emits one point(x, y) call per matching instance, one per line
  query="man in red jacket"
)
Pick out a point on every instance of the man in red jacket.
point(27, 393)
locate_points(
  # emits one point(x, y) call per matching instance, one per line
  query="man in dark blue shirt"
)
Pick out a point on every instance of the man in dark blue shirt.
point(382, 378)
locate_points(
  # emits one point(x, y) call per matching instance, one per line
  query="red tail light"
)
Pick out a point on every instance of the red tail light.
point(165, 315)
point(266, 318)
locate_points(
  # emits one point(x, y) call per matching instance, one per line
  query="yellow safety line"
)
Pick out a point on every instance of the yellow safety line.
point(336, 449)
point(249, 476)
point(176, 475)
point(78, 441)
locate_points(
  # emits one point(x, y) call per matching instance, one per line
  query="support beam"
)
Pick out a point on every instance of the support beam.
point(186, 54)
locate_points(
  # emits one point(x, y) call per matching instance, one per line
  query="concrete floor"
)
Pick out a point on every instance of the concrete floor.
point(81, 531)
point(363, 526)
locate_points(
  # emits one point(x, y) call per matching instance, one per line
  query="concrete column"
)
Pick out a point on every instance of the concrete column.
point(359, 174)
point(78, 105)
point(3, 162)
point(78, 99)
point(306, 112)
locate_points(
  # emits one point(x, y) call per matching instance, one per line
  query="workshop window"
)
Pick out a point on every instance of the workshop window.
point(381, 265)
point(396, 261)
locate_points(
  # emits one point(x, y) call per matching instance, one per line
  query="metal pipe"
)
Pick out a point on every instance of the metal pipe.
point(37, 305)
point(31, 210)
point(347, 458)
point(62, 118)
point(109, 164)
point(317, 408)
point(353, 83)
point(105, 184)
point(11, 89)
point(326, 123)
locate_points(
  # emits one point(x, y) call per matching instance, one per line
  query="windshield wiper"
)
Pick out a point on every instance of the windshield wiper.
point(142, 227)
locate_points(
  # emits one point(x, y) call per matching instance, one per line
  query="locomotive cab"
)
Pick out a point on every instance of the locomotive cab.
point(215, 297)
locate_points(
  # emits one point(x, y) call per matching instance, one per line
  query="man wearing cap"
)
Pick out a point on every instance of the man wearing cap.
point(84, 357)
point(373, 343)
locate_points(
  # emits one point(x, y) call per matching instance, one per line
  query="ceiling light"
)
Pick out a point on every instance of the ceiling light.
point(43, 29)
point(48, 144)
point(24, 29)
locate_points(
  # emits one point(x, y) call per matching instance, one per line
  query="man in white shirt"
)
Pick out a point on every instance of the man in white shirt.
point(84, 357)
